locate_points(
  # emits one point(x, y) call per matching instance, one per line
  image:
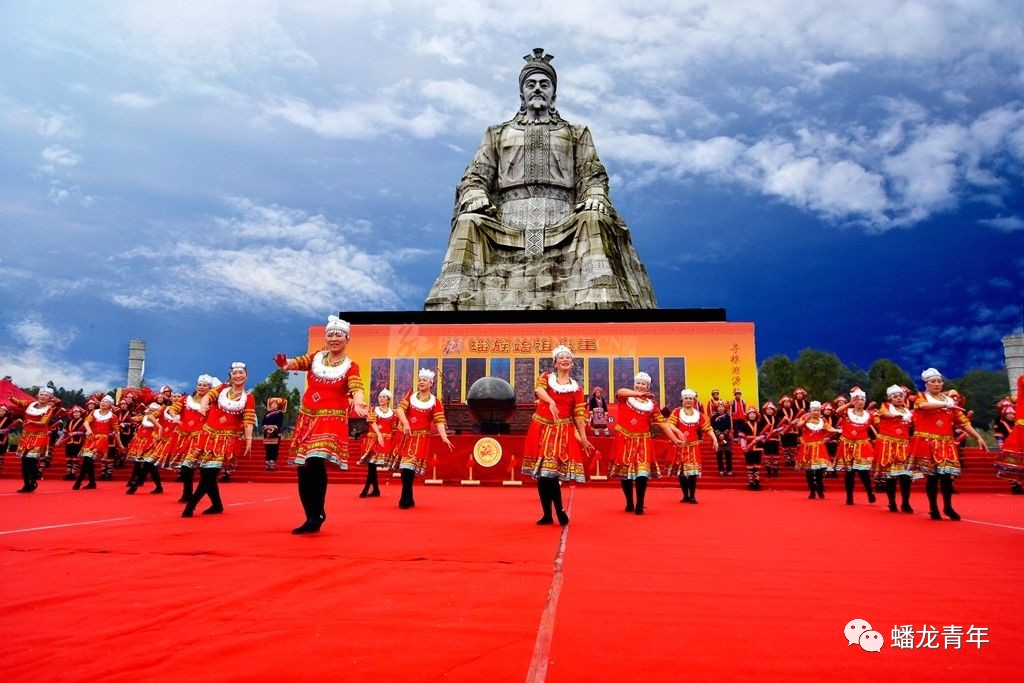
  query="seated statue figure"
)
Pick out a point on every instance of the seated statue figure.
point(533, 226)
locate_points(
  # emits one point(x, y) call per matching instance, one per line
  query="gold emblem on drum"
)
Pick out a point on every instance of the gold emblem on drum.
point(487, 452)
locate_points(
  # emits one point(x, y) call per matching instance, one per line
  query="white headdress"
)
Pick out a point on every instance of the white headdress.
point(238, 364)
point(153, 406)
point(45, 390)
point(931, 373)
point(814, 405)
point(427, 374)
point(107, 399)
point(334, 323)
point(858, 392)
point(894, 390)
point(560, 350)
point(687, 393)
point(205, 379)
point(642, 377)
point(385, 392)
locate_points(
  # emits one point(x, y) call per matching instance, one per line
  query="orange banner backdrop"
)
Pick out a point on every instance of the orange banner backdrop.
point(699, 355)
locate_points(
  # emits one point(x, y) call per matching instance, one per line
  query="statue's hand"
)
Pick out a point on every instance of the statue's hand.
point(480, 205)
point(592, 204)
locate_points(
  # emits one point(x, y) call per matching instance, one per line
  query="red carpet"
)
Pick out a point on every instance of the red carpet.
point(99, 585)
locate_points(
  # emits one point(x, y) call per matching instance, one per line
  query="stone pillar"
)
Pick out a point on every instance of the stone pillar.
point(136, 362)
point(1013, 351)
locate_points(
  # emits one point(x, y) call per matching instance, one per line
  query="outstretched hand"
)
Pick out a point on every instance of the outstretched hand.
point(281, 360)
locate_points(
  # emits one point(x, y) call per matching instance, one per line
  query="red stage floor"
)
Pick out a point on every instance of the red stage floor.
point(97, 585)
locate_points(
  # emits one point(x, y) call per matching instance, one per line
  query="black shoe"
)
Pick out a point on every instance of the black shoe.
point(906, 508)
point(373, 494)
point(307, 527)
point(684, 499)
point(363, 494)
point(563, 518)
point(871, 497)
point(821, 495)
point(934, 514)
point(812, 495)
point(25, 489)
point(159, 489)
point(952, 514)
point(77, 485)
point(1016, 489)
point(186, 513)
point(639, 510)
point(849, 501)
point(90, 485)
point(545, 520)
point(184, 499)
point(69, 477)
point(404, 505)
point(693, 500)
point(131, 491)
point(214, 510)
point(893, 508)
point(629, 507)
point(225, 478)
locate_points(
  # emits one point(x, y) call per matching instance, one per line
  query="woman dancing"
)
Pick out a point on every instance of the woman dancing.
point(892, 447)
point(932, 448)
point(321, 429)
point(382, 421)
point(557, 437)
point(687, 423)
point(416, 412)
point(634, 461)
point(230, 416)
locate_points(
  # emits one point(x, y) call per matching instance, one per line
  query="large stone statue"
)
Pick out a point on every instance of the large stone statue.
point(533, 227)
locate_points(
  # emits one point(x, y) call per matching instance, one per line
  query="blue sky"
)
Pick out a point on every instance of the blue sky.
point(214, 177)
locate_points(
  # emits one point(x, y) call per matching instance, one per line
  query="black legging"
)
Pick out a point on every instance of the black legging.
point(943, 482)
point(208, 486)
point(865, 479)
point(406, 500)
point(641, 492)
point(371, 480)
point(87, 469)
point(188, 475)
point(313, 488)
point(29, 473)
point(550, 492)
point(139, 473)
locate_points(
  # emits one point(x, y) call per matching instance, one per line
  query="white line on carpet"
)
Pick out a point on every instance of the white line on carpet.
point(63, 526)
point(545, 632)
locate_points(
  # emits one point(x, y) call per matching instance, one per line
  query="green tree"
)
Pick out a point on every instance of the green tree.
point(819, 372)
point(775, 377)
point(850, 377)
point(983, 389)
point(882, 374)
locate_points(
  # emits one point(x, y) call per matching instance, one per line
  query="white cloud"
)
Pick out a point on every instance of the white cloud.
point(1004, 223)
point(55, 124)
point(58, 155)
point(275, 258)
point(134, 100)
point(38, 358)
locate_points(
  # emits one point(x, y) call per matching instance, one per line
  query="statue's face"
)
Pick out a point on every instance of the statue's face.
point(538, 91)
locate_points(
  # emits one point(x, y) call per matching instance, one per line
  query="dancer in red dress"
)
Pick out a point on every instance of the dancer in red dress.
point(557, 437)
point(230, 416)
point(416, 413)
point(687, 424)
point(856, 457)
point(189, 433)
point(892, 447)
point(633, 455)
point(321, 429)
point(35, 436)
point(790, 439)
point(380, 446)
point(749, 442)
point(769, 424)
point(932, 448)
point(101, 425)
point(1010, 461)
point(143, 445)
point(813, 456)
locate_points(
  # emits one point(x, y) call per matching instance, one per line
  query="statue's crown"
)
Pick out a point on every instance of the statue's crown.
point(538, 61)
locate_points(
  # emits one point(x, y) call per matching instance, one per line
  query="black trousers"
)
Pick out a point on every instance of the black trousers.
point(313, 488)
point(87, 469)
point(208, 486)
